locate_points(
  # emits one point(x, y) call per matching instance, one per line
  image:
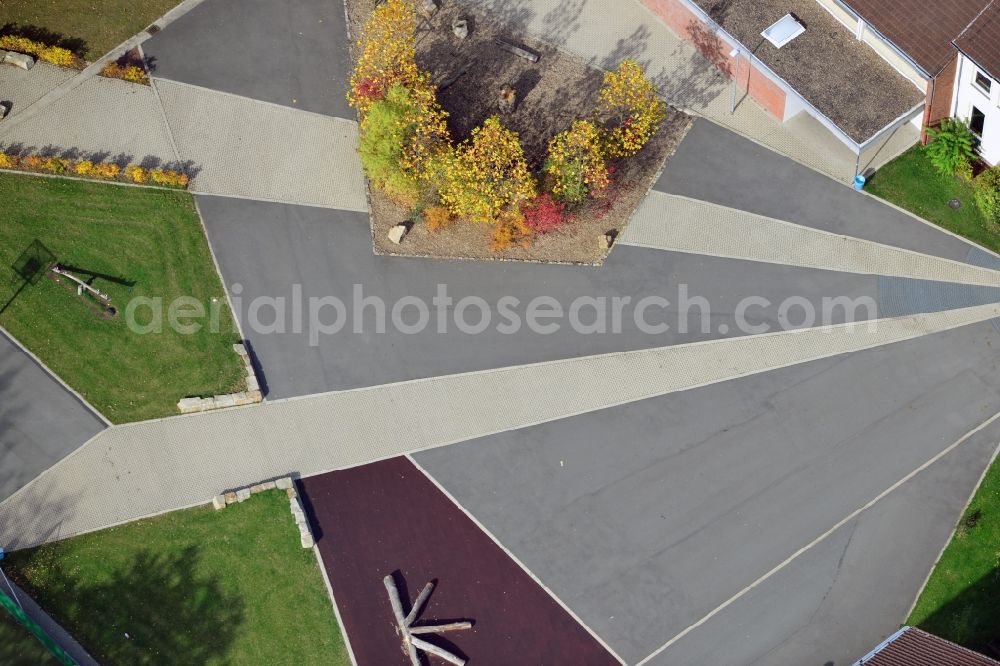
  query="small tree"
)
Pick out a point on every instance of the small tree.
point(385, 133)
point(575, 165)
point(952, 149)
point(631, 99)
point(388, 54)
point(987, 186)
point(488, 175)
point(400, 134)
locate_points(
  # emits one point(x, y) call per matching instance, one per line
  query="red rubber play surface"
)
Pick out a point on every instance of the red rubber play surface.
point(388, 517)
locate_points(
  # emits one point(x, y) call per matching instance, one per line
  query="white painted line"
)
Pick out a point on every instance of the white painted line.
point(281, 107)
point(846, 519)
point(218, 270)
point(954, 531)
point(333, 601)
point(4, 332)
point(193, 189)
point(507, 551)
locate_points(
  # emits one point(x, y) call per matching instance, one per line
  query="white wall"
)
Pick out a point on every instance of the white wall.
point(967, 95)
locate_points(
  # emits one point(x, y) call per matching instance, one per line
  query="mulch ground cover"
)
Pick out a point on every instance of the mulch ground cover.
point(550, 95)
point(389, 518)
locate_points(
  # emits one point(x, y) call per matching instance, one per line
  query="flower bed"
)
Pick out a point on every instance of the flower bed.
point(54, 55)
point(130, 67)
point(484, 154)
point(99, 170)
point(131, 73)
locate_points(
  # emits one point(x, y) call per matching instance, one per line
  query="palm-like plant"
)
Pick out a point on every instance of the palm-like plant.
point(953, 147)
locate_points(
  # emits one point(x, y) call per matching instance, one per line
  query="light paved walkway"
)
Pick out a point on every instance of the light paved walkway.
point(23, 88)
point(142, 469)
point(671, 222)
point(101, 116)
point(257, 150)
point(606, 31)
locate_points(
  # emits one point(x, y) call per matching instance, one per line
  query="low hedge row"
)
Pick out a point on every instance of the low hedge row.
point(132, 173)
point(55, 55)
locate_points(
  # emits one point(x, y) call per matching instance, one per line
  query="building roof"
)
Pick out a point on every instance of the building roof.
point(922, 29)
point(981, 40)
point(912, 647)
point(839, 75)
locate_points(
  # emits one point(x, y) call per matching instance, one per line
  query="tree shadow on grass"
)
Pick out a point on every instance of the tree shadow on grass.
point(972, 617)
point(49, 37)
point(159, 609)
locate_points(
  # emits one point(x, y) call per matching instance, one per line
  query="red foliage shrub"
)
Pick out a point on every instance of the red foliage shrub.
point(369, 90)
point(544, 214)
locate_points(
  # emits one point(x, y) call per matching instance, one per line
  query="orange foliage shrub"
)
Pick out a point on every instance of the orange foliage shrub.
point(437, 218)
point(510, 230)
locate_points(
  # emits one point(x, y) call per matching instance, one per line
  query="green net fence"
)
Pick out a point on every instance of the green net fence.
point(14, 609)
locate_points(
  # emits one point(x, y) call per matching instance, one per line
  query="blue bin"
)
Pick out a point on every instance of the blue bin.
point(859, 182)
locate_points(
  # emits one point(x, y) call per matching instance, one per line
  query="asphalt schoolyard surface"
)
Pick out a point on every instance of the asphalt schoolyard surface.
point(293, 53)
point(40, 421)
point(644, 518)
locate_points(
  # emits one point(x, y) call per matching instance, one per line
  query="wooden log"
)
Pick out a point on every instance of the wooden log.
point(430, 648)
point(447, 83)
point(397, 605)
point(518, 51)
point(419, 604)
point(438, 628)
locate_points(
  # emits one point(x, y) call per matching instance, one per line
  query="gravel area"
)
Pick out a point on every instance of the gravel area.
point(551, 93)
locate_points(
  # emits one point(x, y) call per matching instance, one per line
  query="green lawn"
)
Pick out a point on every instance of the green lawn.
point(910, 182)
point(18, 647)
point(195, 587)
point(152, 238)
point(99, 25)
point(962, 599)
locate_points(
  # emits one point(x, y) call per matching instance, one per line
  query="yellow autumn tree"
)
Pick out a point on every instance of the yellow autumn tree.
point(488, 175)
point(388, 54)
point(575, 166)
point(637, 112)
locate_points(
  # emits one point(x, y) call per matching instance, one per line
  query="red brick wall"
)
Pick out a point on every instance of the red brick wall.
point(942, 87)
point(691, 29)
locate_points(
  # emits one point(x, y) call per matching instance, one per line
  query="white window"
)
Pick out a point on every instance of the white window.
point(977, 122)
point(982, 82)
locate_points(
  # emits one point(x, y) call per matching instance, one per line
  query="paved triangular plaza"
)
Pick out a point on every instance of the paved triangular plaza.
point(788, 490)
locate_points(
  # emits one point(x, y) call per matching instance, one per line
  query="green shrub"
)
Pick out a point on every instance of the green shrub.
point(952, 149)
point(575, 165)
point(385, 133)
point(987, 186)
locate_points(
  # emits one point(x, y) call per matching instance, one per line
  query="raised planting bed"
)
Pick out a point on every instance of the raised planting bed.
point(549, 95)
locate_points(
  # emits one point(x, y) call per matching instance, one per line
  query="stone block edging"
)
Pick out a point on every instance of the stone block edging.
point(251, 396)
point(220, 502)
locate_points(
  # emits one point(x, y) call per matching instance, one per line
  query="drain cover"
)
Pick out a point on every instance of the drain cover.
point(955, 204)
